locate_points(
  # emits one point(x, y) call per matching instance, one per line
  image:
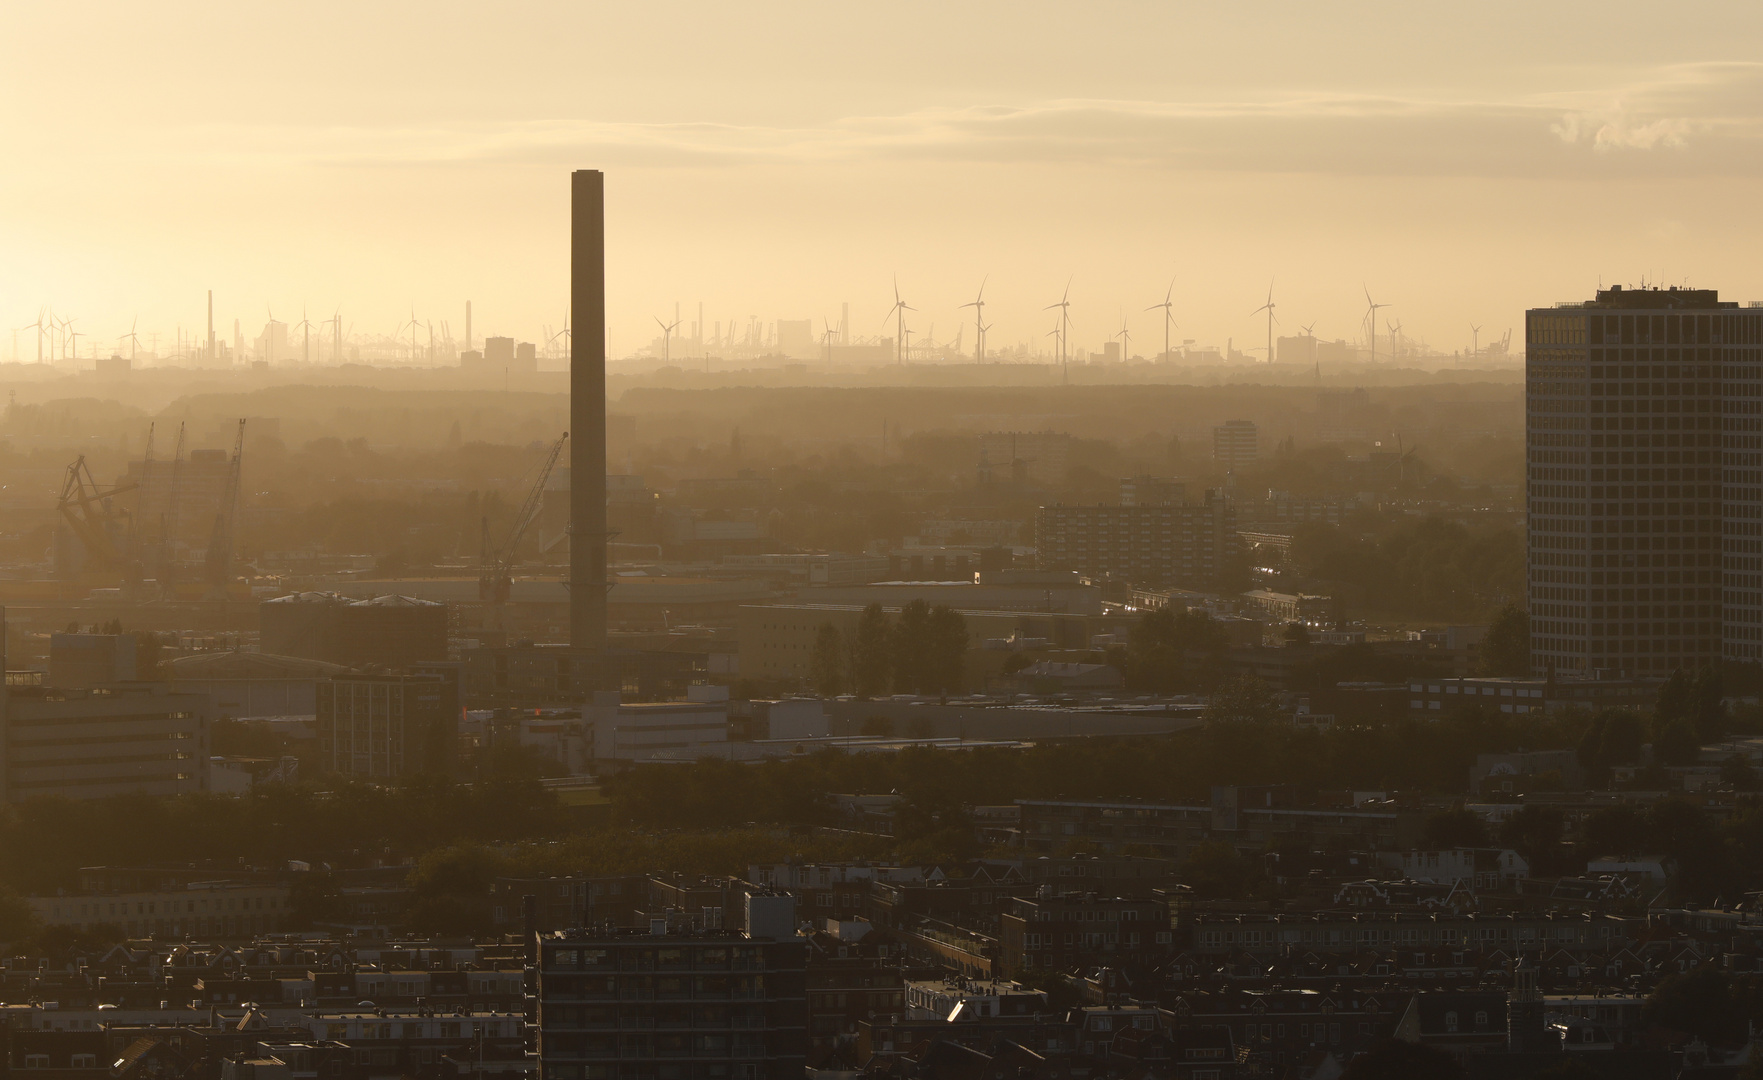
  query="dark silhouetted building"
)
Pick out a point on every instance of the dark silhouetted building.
point(392, 632)
point(1153, 545)
point(389, 725)
point(1644, 516)
point(668, 1000)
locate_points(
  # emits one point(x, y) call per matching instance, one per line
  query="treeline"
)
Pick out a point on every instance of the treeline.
point(1243, 743)
point(44, 842)
point(921, 652)
point(1426, 569)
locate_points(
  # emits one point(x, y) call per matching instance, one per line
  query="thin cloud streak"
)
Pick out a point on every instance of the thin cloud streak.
point(1701, 119)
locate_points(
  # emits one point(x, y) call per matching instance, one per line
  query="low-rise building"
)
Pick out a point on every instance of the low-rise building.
point(105, 740)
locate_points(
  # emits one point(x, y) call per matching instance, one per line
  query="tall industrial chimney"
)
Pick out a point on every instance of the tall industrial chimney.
point(468, 326)
point(211, 353)
point(587, 410)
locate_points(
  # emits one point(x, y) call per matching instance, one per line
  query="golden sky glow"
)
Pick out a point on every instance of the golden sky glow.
point(774, 160)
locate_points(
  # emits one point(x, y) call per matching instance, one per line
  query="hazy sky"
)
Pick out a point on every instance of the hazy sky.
point(776, 159)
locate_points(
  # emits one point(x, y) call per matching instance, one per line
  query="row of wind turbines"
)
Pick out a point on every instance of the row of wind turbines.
point(1061, 331)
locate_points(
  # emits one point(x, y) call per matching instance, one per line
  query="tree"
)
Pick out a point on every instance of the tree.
point(1700, 1002)
point(1244, 700)
point(1454, 829)
point(826, 665)
point(1614, 737)
point(948, 650)
point(1398, 1060)
point(1215, 870)
point(1296, 634)
point(871, 648)
point(1674, 741)
point(1168, 651)
point(912, 648)
point(1707, 704)
point(1613, 830)
point(1505, 648)
point(1738, 774)
point(1535, 833)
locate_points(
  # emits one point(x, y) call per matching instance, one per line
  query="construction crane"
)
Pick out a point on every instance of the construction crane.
point(86, 508)
point(496, 565)
point(217, 569)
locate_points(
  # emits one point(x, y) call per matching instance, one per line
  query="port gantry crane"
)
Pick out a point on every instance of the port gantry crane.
point(496, 565)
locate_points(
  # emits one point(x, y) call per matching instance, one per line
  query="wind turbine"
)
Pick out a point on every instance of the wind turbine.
point(979, 331)
point(1124, 337)
point(1395, 330)
point(305, 325)
point(1168, 308)
point(1064, 306)
point(666, 339)
point(898, 313)
point(38, 327)
point(336, 321)
point(133, 339)
point(826, 339)
point(1475, 339)
point(1371, 309)
point(1268, 307)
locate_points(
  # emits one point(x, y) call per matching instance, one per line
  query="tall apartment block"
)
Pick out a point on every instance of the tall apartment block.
point(1643, 451)
point(1236, 443)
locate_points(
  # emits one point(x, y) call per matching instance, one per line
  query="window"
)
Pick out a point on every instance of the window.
point(1450, 1021)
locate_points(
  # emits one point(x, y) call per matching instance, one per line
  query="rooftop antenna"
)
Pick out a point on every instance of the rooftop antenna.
point(1168, 306)
point(1268, 307)
point(1064, 306)
point(979, 331)
point(1371, 309)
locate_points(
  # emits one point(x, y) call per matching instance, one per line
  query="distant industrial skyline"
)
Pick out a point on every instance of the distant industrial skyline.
point(1455, 168)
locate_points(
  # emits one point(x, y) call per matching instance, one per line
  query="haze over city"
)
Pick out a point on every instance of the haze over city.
point(964, 541)
point(402, 157)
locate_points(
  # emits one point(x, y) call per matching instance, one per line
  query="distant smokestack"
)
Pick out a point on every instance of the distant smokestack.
point(587, 410)
point(211, 353)
point(468, 326)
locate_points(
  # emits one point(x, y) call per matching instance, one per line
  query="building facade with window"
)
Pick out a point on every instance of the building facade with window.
point(660, 1004)
point(1644, 468)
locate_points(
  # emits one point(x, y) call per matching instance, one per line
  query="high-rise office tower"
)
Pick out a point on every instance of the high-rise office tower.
point(1643, 488)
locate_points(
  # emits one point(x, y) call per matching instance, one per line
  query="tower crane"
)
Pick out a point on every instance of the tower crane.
point(86, 508)
point(496, 565)
point(218, 562)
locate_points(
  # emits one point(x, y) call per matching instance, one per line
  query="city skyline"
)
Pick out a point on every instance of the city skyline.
point(1457, 171)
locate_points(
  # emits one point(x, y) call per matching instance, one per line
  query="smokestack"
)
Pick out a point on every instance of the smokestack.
point(211, 326)
point(587, 410)
point(468, 326)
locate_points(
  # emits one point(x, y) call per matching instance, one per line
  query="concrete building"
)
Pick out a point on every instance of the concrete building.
point(387, 726)
point(658, 1001)
point(86, 660)
point(660, 730)
point(1152, 491)
point(218, 908)
point(1236, 443)
point(1161, 545)
point(91, 743)
point(1034, 457)
point(1643, 552)
point(252, 684)
point(393, 632)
